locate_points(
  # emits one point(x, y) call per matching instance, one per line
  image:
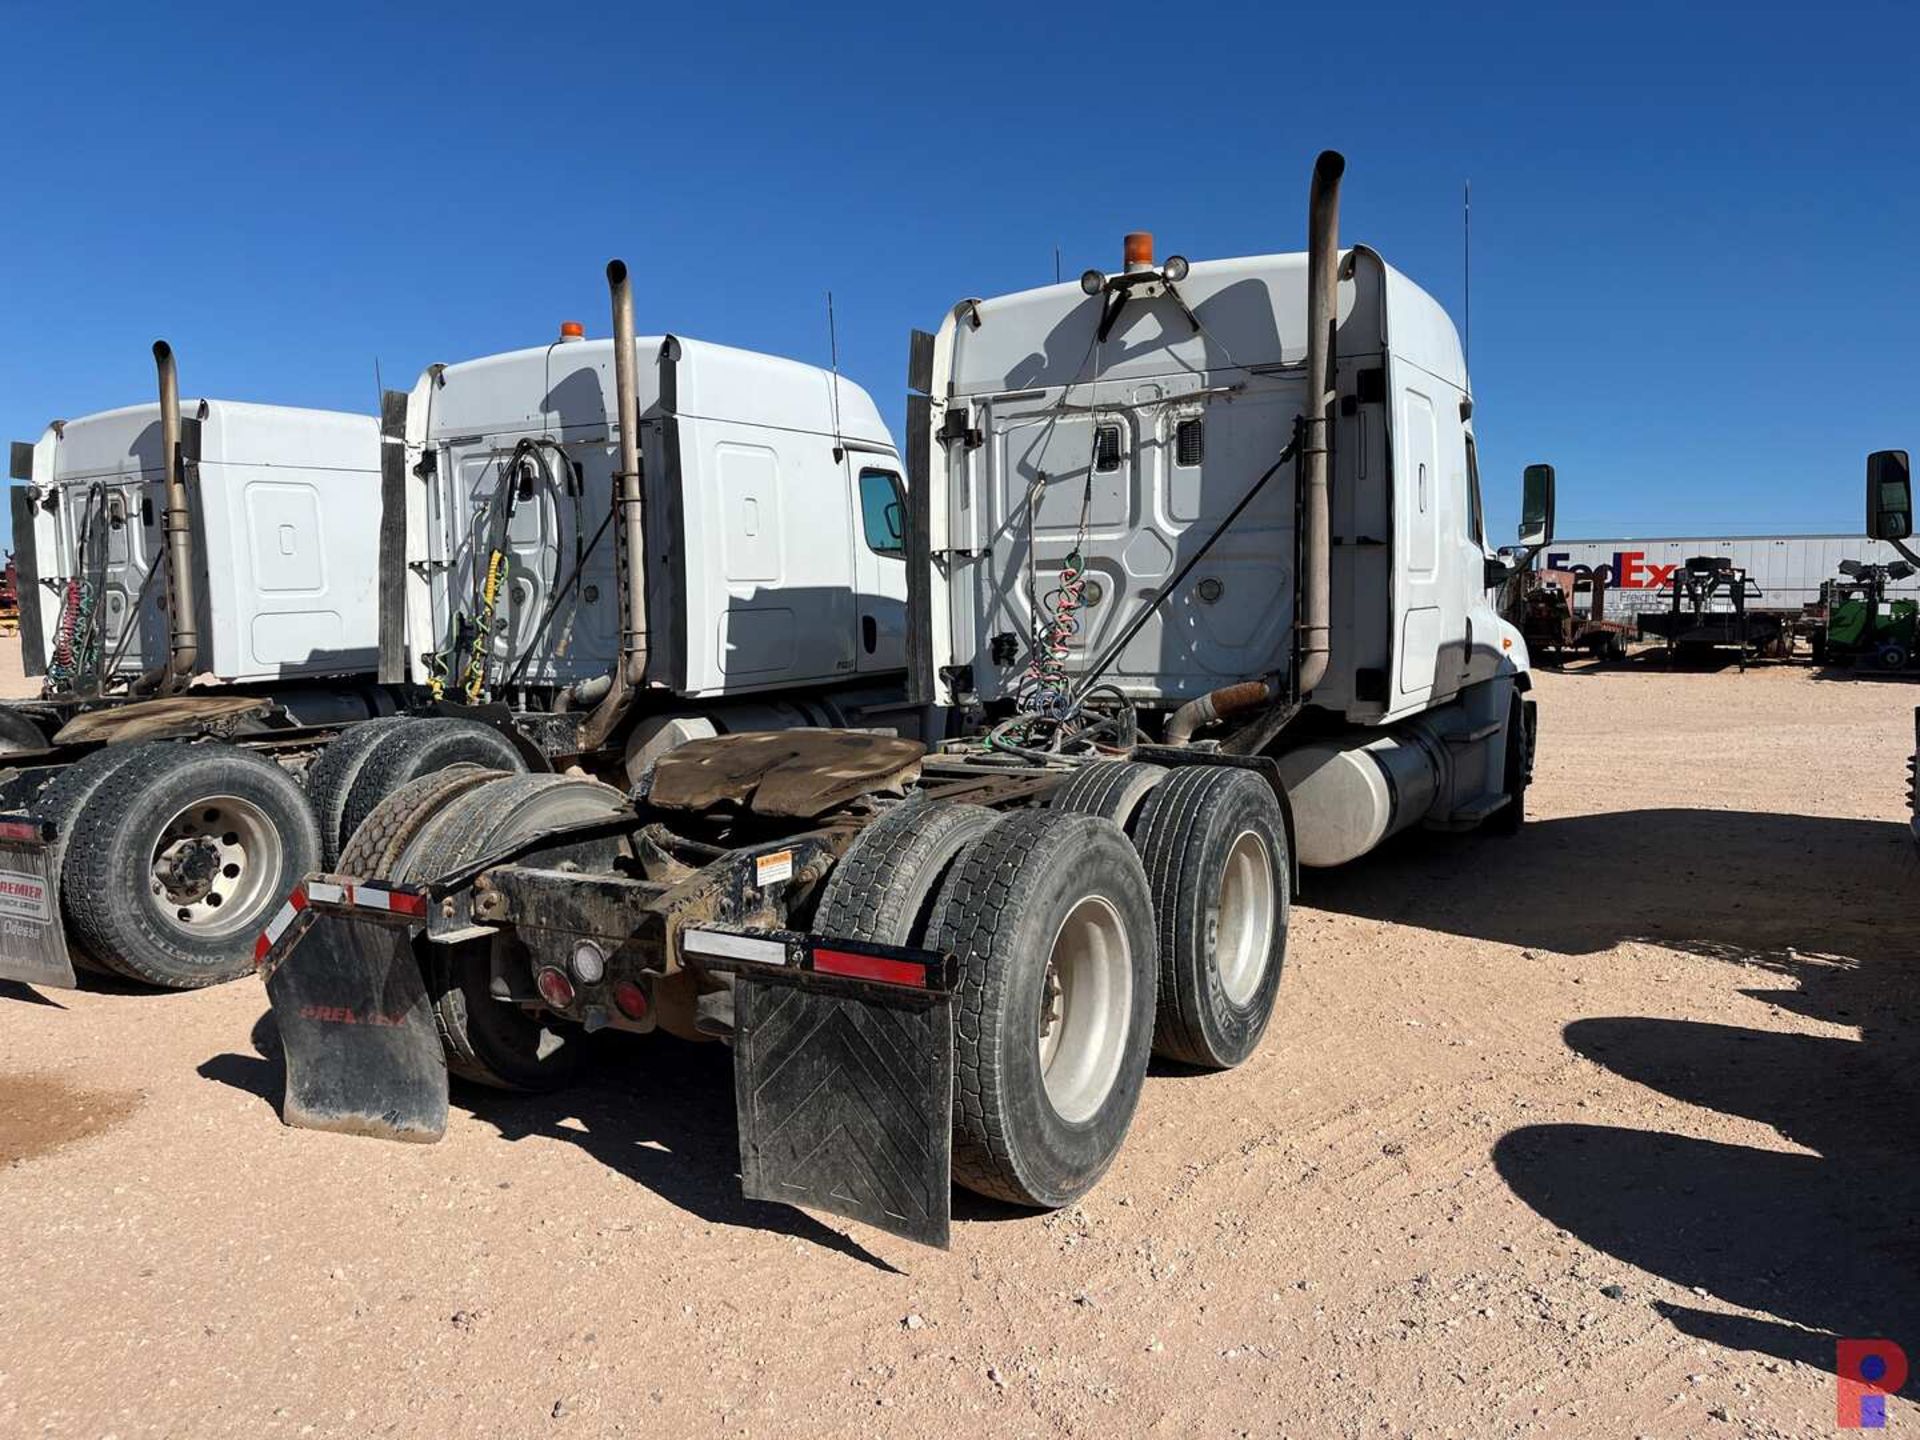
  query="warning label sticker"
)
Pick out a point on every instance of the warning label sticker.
point(772, 869)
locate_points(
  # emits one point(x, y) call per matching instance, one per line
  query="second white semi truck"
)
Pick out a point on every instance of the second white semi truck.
point(1197, 592)
point(373, 603)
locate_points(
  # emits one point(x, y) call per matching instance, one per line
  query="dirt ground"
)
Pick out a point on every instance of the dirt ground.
point(1607, 1130)
point(14, 684)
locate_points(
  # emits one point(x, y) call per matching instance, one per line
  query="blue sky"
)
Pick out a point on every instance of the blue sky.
point(1695, 229)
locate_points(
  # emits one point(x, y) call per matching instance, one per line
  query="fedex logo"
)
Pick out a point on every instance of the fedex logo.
point(1629, 570)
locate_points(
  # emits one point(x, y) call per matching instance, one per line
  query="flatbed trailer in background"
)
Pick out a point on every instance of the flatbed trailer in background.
point(1708, 610)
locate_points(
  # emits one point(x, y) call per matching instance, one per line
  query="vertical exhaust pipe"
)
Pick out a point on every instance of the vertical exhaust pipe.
point(1323, 305)
point(183, 638)
point(630, 670)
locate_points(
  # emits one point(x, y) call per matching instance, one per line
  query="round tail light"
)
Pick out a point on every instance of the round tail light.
point(554, 988)
point(630, 1000)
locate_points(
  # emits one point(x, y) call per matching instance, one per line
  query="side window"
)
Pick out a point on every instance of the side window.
point(1476, 519)
point(883, 513)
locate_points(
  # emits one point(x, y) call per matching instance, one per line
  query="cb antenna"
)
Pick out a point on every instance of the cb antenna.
point(1466, 261)
point(833, 352)
point(1056, 264)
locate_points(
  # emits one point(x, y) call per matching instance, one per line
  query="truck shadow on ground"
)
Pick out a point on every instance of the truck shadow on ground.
point(1825, 1245)
point(26, 994)
point(656, 1110)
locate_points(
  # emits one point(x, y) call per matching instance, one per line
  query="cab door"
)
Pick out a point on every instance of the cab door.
point(1422, 675)
point(879, 563)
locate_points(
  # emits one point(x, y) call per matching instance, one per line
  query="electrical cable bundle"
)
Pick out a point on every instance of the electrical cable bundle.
point(76, 637)
point(470, 646)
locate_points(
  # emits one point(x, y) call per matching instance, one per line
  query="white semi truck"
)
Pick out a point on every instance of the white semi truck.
point(378, 601)
point(1197, 591)
point(157, 772)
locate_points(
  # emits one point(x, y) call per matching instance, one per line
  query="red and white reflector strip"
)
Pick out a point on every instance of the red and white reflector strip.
point(729, 950)
point(355, 895)
point(361, 895)
point(277, 926)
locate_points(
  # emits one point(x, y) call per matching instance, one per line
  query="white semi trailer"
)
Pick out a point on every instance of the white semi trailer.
point(1197, 591)
point(463, 606)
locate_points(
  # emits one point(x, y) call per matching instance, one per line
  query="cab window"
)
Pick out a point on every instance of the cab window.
point(1476, 520)
point(883, 513)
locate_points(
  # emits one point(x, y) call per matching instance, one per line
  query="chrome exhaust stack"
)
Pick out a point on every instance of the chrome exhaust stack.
point(629, 502)
point(183, 637)
point(1323, 309)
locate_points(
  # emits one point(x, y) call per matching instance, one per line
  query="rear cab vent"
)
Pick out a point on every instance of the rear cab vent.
point(1189, 443)
point(1106, 448)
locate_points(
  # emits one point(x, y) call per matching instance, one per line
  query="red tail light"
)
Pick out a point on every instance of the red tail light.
point(554, 988)
point(630, 1000)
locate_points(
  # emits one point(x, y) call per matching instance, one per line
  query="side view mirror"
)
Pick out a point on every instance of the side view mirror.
point(1889, 496)
point(1536, 506)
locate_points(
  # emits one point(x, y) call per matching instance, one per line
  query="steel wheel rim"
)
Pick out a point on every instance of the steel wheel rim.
point(1243, 931)
point(1085, 1005)
point(216, 867)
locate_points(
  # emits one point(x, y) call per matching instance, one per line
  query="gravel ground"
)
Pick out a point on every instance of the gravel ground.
point(1602, 1131)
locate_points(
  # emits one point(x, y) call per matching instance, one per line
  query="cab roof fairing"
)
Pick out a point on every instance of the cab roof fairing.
point(1252, 313)
point(567, 389)
point(125, 443)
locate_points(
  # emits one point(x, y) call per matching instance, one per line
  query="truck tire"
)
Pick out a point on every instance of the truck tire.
point(61, 802)
point(1112, 789)
point(1508, 819)
point(882, 890)
point(384, 835)
point(488, 1041)
point(330, 780)
point(1214, 844)
point(180, 857)
point(405, 754)
point(1051, 921)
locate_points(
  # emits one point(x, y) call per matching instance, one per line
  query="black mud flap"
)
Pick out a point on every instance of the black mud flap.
point(33, 942)
point(845, 1096)
point(362, 1049)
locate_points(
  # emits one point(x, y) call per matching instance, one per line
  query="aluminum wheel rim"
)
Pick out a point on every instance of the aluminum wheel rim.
point(216, 866)
point(1085, 1005)
point(1243, 933)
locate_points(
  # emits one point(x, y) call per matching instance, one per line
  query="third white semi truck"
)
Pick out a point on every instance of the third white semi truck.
point(1198, 590)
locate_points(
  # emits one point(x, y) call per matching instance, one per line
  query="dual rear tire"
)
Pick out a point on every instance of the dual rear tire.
point(1214, 844)
point(1082, 949)
point(427, 828)
point(371, 760)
